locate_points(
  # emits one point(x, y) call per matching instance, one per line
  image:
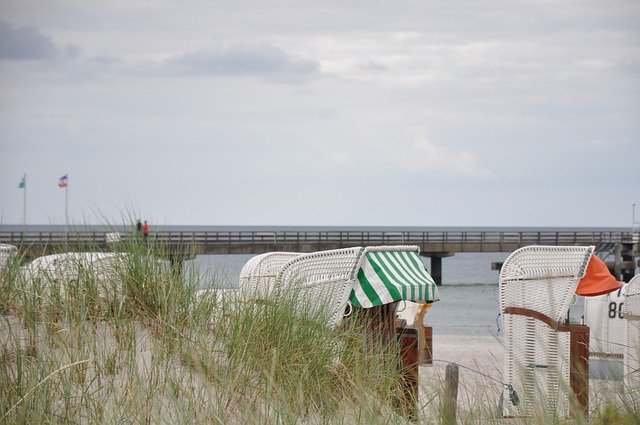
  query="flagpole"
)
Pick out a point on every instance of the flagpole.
point(24, 200)
point(66, 201)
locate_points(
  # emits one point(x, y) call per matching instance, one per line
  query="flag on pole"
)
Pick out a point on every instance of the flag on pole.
point(23, 186)
point(63, 181)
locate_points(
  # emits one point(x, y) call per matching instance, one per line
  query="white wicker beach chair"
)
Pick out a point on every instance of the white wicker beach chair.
point(6, 252)
point(367, 277)
point(541, 279)
point(258, 275)
point(631, 311)
point(322, 280)
point(62, 270)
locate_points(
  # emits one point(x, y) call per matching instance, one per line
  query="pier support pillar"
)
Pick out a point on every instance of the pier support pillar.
point(436, 269)
point(627, 254)
point(436, 264)
point(624, 264)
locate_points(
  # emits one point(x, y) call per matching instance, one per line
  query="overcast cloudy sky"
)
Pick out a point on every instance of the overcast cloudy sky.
point(417, 113)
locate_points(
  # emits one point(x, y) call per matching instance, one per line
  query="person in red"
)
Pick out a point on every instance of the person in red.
point(145, 230)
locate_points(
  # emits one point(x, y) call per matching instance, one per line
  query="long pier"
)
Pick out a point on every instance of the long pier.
point(434, 242)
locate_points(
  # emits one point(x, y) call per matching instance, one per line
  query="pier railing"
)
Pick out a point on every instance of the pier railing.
point(255, 241)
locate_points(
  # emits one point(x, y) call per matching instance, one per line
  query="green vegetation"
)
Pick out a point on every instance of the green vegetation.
point(145, 346)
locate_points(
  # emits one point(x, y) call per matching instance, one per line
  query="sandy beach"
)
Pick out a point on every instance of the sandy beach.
point(480, 373)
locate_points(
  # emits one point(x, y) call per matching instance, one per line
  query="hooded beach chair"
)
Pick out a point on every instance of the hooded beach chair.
point(537, 287)
point(373, 279)
point(631, 312)
point(258, 275)
point(6, 252)
point(104, 269)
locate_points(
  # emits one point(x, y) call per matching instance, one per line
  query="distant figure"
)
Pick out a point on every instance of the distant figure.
point(145, 230)
point(139, 226)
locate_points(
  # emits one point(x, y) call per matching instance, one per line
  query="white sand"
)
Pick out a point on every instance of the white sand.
point(480, 373)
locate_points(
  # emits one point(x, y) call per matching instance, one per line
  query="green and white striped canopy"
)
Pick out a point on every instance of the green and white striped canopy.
point(389, 276)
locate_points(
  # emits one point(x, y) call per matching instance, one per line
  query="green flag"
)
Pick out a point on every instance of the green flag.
point(23, 183)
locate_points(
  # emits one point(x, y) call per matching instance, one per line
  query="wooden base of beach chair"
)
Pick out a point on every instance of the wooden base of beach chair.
point(383, 330)
point(381, 325)
point(425, 345)
point(408, 366)
point(579, 364)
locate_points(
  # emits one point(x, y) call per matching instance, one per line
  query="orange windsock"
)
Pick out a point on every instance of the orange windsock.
point(597, 280)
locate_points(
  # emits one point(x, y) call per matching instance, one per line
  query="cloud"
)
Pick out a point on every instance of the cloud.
point(27, 43)
point(420, 157)
point(373, 66)
point(244, 59)
point(629, 65)
point(104, 60)
point(597, 144)
point(427, 156)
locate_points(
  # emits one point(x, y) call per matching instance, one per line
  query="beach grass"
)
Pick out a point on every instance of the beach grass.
point(146, 346)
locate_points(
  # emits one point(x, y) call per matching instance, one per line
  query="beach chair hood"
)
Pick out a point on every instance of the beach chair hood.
point(389, 274)
point(597, 280)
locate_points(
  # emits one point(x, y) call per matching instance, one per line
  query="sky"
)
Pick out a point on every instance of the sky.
point(336, 113)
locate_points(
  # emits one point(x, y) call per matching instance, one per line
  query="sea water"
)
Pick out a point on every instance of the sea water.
point(468, 295)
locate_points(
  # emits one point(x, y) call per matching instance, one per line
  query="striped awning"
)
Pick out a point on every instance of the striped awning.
point(389, 276)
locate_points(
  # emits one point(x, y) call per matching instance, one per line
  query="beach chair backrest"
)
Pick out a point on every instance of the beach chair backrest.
point(543, 279)
point(258, 275)
point(631, 311)
point(322, 280)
